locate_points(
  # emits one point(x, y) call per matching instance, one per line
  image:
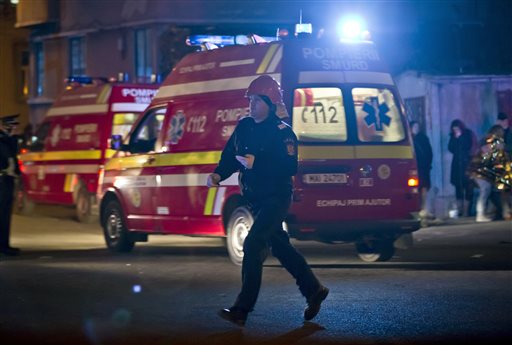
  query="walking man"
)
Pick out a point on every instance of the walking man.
point(263, 149)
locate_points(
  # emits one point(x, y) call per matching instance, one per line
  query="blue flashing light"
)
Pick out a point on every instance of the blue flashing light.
point(197, 40)
point(79, 79)
point(352, 28)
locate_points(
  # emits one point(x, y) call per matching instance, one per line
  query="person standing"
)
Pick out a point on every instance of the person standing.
point(423, 151)
point(485, 170)
point(9, 170)
point(506, 195)
point(460, 145)
point(263, 149)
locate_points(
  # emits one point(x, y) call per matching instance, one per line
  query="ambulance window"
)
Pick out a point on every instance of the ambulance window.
point(319, 115)
point(123, 123)
point(146, 134)
point(378, 117)
point(39, 138)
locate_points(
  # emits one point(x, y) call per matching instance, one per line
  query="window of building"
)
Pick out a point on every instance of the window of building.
point(319, 115)
point(143, 55)
point(39, 68)
point(77, 56)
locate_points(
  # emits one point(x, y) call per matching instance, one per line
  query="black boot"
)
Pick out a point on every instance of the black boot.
point(234, 315)
point(314, 303)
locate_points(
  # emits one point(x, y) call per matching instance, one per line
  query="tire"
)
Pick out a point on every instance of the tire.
point(83, 206)
point(116, 235)
point(239, 224)
point(375, 250)
point(23, 205)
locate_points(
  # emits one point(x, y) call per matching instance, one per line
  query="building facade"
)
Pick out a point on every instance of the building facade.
point(436, 100)
point(14, 65)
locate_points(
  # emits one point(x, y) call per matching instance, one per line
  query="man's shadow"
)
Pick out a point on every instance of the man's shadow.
point(236, 336)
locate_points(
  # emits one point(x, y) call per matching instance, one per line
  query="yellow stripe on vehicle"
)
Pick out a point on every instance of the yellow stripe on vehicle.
point(109, 153)
point(104, 94)
point(61, 155)
point(266, 59)
point(189, 158)
point(70, 182)
point(208, 207)
point(355, 152)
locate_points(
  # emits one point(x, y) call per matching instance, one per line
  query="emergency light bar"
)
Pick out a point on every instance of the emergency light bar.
point(221, 41)
point(84, 80)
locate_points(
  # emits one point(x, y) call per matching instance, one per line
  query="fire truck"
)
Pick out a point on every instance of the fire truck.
point(357, 178)
point(62, 163)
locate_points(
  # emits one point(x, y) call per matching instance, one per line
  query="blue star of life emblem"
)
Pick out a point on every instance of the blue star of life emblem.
point(376, 114)
point(177, 127)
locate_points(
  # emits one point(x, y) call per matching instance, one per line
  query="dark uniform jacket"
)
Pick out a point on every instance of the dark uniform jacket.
point(274, 146)
point(8, 148)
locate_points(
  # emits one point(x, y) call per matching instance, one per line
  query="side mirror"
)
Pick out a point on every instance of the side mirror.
point(116, 142)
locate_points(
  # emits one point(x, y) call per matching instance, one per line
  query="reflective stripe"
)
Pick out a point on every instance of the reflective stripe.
point(131, 107)
point(62, 169)
point(219, 200)
point(355, 152)
point(236, 63)
point(266, 59)
point(209, 201)
point(104, 94)
point(109, 153)
point(78, 109)
point(228, 84)
point(339, 77)
point(61, 155)
point(275, 60)
point(171, 180)
point(70, 182)
point(167, 159)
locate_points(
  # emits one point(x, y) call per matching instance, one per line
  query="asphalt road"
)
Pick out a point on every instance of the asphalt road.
point(453, 286)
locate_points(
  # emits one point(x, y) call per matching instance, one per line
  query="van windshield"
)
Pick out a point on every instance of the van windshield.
point(378, 116)
point(319, 115)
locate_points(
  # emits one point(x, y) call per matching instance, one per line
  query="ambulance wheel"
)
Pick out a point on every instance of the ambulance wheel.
point(375, 250)
point(23, 205)
point(116, 235)
point(240, 222)
point(83, 205)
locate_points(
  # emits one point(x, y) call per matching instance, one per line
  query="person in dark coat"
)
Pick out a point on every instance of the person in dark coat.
point(423, 151)
point(461, 145)
point(9, 170)
point(263, 149)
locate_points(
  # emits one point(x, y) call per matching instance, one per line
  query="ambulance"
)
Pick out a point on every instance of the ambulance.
point(62, 163)
point(357, 178)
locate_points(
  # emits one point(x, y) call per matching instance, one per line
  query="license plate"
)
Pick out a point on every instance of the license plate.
point(324, 178)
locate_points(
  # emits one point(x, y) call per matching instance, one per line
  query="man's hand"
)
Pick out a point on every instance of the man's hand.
point(213, 180)
point(247, 161)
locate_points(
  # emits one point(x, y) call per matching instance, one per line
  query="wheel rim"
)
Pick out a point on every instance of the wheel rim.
point(113, 226)
point(239, 232)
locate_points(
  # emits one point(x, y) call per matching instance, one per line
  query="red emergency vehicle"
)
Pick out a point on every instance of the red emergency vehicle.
point(62, 164)
point(357, 178)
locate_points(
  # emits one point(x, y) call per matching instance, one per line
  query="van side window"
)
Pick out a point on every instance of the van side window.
point(378, 115)
point(39, 138)
point(123, 123)
point(319, 115)
point(144, 138)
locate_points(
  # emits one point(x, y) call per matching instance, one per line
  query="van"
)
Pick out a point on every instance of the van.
point(61, 165)
point(357, 176)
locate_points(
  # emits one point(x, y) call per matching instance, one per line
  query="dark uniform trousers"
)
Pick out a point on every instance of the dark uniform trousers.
point(6, 201)
point(267, 231)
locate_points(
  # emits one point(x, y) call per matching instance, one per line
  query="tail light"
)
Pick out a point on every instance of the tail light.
point(413, 182)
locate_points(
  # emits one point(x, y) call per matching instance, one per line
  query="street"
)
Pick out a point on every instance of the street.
point(453, 286)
